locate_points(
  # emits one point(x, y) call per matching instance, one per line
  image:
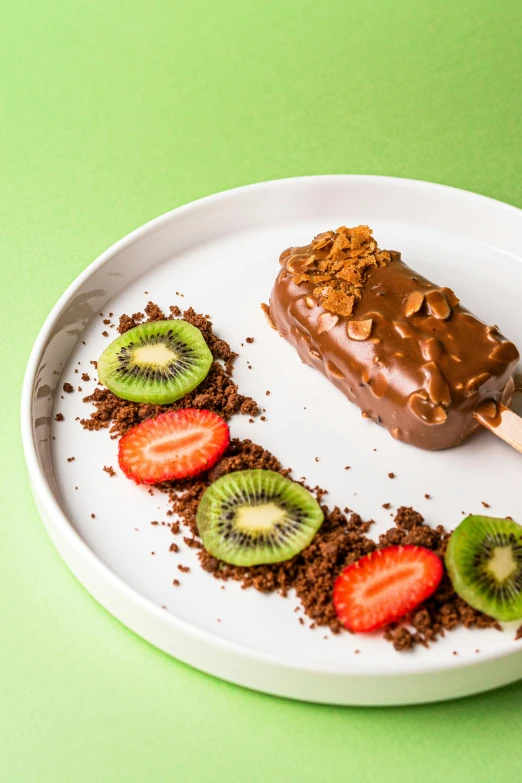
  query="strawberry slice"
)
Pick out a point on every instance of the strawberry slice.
point(385, 585)
point(174, 445)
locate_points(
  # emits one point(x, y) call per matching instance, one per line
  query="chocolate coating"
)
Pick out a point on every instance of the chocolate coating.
point(411, 357)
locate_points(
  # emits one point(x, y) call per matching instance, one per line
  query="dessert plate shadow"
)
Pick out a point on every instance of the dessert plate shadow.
point(220, 255)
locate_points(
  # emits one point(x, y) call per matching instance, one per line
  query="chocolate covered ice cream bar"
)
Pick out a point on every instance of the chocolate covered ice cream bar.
point(400, 347)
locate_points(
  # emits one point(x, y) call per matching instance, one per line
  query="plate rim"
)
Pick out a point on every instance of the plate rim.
point(56, 518)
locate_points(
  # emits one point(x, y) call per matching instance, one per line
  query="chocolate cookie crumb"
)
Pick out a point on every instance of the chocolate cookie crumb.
point(105, 333)
point(93, 516)
point(386, 506)
point(68, 387)
point(110, 470)
point(217, 393)
point(183, 569)
point(85, 377)
point(400, 637)
point(176, 582)
point(250, 339)
point(391, 475)
point(427, 496)
point(58, 417)
point(518, 634)
point(71, 459)
point(486, 505)
point(173, 548)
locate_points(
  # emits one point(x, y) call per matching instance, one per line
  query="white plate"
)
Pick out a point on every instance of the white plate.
point(222, 254)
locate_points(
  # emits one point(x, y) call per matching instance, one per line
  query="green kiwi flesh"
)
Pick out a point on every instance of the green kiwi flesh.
point(156, 362)
point(484, 562)
point(252, 517)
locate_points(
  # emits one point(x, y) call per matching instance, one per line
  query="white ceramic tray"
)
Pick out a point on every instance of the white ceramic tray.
point(222, 254)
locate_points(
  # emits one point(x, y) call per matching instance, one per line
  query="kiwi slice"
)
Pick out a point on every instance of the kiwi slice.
point(157, 362)
point(257, 516)
point(484, 561)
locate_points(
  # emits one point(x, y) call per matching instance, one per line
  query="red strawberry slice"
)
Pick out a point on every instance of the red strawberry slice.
point(385, 585)
point(175, 445)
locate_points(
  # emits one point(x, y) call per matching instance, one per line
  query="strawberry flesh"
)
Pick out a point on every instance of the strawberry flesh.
point(385, 585)
point(174, 445)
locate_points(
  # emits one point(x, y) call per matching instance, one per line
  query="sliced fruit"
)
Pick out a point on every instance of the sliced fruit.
point(385, 585)
point(257, 516)
point(484, 561)
point(174, 445)
point(157, 362)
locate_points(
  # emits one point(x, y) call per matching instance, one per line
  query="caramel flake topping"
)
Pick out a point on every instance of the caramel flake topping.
point(339, 266)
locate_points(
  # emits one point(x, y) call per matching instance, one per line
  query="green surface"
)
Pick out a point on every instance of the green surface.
point(112, 113)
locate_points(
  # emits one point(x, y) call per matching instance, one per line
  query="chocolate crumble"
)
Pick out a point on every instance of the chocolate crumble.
point(217, 393)
point(341, 540)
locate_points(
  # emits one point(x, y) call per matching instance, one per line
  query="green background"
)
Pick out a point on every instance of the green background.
point(111, 113)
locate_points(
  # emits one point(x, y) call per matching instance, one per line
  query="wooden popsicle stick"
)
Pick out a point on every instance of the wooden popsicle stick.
point(501, 421)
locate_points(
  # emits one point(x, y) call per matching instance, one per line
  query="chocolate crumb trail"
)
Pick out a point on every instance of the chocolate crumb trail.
point(341, 540)
point(110, 470)
point(68, 387)
point(486, 505)
point(58, 417)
